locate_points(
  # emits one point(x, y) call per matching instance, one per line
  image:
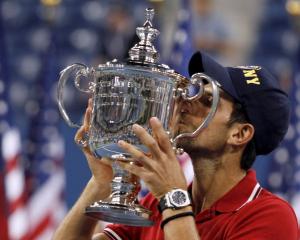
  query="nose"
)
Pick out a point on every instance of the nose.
point(196, 107)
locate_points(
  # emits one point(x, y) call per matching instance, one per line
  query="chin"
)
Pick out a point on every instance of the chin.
point(184, 129)
point(186, 143)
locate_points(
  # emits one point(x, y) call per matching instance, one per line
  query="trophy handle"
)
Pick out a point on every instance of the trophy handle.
point(81, 72)
point(197, 80)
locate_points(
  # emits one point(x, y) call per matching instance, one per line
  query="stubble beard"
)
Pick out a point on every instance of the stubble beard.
point(195, 146)
point(205, 160)
point(196, 150)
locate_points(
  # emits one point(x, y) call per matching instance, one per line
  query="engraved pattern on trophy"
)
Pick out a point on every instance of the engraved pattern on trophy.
point(124, 94)
point(123, 99)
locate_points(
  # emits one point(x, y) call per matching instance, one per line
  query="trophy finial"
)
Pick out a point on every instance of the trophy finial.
point(144, 51)
point(149, 16)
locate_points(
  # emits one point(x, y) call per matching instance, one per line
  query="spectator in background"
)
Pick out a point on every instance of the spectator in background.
point(210, 32)
point(119, 33)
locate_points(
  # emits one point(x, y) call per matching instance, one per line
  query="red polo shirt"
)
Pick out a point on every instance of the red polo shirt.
point(245, 212)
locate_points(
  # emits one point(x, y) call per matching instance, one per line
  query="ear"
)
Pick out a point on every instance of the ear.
point(240, 134)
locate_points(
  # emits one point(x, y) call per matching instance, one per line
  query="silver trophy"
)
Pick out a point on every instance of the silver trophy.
point(124, 93)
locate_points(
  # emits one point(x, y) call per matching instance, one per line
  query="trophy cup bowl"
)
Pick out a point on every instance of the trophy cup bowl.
point(124, 94)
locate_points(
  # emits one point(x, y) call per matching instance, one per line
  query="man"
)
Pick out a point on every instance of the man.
point(226, 200)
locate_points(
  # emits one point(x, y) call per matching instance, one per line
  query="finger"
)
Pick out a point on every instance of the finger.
point(87, 116)
point(106, 161)
point(147, 140)
point(88, 153)
point(79, 136)
point(129, 159)
point(90, 102)
point(160, 135)
point(132, 168)
point(92, 158)
point(138, 157)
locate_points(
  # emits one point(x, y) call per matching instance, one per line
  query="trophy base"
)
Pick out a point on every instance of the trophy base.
point(134, 215)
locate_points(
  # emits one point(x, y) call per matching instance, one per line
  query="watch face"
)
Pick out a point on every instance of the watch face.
point(179, 198)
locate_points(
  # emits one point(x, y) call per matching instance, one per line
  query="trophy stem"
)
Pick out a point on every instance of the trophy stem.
point(121, 206)
point(125, 186)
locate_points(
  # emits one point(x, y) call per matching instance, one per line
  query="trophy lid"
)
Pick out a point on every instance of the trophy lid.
point(144, 51)
point(143, 56)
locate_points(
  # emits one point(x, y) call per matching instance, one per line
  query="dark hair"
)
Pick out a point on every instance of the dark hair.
point(238, 115)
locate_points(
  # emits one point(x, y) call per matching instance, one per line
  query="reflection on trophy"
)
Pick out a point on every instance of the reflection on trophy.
point(124, 94)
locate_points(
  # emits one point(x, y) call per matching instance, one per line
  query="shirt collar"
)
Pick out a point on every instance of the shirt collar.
point(242, 193)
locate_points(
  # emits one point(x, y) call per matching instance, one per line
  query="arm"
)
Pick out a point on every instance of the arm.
point(181, 228)
point(76, 225)
point(161, 172)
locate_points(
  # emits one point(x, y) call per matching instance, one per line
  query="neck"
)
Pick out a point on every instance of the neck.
point(213, 179)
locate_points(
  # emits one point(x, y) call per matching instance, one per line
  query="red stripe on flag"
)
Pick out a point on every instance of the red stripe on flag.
point(3, 213)
point(40, 228)
point(12, 163)
point(18, 203)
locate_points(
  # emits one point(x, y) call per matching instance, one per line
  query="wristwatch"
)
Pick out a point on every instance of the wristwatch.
point(175, 199)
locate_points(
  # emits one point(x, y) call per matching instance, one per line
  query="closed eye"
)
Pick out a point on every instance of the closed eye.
point(206, 99)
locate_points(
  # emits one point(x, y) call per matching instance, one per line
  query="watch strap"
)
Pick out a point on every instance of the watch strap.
point(162, 204)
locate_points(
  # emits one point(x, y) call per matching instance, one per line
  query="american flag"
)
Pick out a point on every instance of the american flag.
point(33, 187)
point(284, 172)
point(14, 185)
point(45, 176)
point(13, 213)
point(3, 215)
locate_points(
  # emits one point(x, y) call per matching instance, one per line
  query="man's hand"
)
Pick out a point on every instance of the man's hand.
point(159, 169)
point(76, 225)
point(100, 168)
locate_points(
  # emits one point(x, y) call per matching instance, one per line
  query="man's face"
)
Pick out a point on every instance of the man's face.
point(189, 115)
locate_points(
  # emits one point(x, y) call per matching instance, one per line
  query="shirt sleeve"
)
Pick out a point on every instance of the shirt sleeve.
point(120, 232)
point(272, 219)
point(124, 232)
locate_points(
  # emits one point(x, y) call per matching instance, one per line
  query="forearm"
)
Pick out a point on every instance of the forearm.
point(76, 224)
point(180, 228)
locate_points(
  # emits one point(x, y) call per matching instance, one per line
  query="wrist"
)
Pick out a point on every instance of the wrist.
point(176, 215)
point(98, 191)
point(170, 212)
point(174, 199)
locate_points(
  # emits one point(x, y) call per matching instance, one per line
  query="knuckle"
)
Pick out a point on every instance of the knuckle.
point(140, 159)
point(129, 167)
point(126, 146)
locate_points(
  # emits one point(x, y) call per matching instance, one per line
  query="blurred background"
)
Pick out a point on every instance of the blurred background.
point(42, 171)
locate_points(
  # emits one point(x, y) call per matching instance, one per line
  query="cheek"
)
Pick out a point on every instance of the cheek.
point(215, 134)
